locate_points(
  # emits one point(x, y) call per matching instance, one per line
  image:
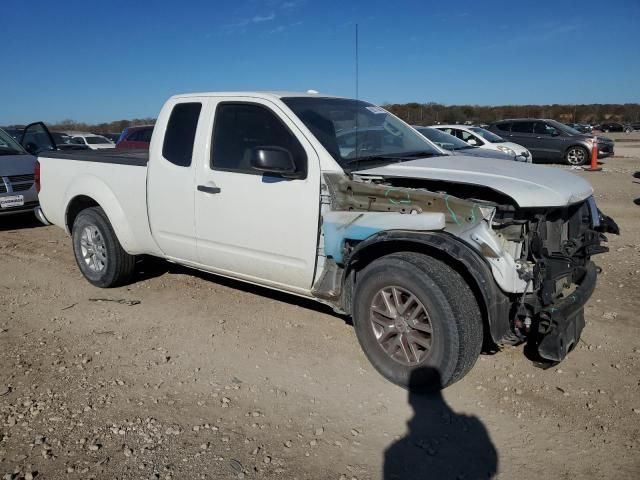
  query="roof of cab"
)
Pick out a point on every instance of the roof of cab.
point(257, 94)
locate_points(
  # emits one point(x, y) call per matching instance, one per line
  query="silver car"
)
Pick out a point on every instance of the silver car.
point(17, 187)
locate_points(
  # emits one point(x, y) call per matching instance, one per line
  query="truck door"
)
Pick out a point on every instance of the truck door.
point(171, 180)
point(249, 224)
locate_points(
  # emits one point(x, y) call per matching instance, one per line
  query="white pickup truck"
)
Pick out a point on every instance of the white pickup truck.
point(429, 254)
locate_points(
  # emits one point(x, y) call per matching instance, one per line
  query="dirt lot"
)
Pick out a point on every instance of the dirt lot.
point(183, 375)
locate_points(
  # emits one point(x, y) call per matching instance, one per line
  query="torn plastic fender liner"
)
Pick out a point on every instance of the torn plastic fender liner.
point(340, 226)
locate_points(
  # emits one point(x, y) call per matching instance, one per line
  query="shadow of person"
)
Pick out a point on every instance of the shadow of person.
point(440, 444)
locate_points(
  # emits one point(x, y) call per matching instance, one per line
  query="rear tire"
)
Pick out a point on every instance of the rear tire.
point(576, 156)
point(451, 313)
point(98, 253)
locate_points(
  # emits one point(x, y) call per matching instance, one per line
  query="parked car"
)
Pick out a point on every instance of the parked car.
point(356, 142)
point(135, 137)
point(94, 142)
point(612, 127)
point(427, 255)
point(17, 190)
point(581, 127)
point(460, 147)
point(552, 141)
point(479, 137)
point(62, 140)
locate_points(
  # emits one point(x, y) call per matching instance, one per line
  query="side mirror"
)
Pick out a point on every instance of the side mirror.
point(275, 160)
point(472, 141)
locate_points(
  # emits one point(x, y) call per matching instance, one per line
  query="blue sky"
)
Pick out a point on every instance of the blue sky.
point(103, 61)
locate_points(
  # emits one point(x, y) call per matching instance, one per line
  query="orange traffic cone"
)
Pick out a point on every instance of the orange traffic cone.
point(594, 158)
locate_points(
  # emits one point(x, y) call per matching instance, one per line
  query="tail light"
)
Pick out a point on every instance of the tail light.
point(36, 176)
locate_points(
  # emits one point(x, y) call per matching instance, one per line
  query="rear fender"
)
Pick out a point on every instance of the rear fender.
point(97, 190)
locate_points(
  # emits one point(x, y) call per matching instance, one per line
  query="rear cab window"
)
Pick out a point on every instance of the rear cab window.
point(181, 133)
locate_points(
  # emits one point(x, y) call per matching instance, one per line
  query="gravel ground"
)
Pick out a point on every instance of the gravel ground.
point(185, 375)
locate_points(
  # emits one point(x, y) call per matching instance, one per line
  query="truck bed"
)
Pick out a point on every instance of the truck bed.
point(138, 157)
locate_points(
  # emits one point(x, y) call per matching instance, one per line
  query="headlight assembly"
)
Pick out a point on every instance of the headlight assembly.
point(506, 150)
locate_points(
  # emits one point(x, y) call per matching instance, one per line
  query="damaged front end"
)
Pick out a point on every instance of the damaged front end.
point(557, 246)
point(531, 267)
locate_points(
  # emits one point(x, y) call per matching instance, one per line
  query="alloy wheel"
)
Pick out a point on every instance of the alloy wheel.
point(93, 248)
point(576, 156)
point(401, 325)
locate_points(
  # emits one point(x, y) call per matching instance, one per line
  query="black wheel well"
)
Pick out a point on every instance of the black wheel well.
point(76, 205)
point(377, 250)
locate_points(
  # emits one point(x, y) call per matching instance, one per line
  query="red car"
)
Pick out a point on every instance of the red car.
point(135, 137)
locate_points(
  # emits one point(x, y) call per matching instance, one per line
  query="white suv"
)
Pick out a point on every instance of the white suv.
point(479, 137)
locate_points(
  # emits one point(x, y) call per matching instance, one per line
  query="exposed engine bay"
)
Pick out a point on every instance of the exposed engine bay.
point(540, 258)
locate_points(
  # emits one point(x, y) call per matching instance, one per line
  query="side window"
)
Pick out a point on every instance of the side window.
point(180, 134)
point(241, 127)
point(471, 136)
point(505, 127)
point(146, 135)
point(466, 136)
point(133, 137)
point(456, 133)
point(541, 128)
point(522, 127)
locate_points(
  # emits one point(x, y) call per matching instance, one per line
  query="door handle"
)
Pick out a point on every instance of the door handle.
point(206, 189)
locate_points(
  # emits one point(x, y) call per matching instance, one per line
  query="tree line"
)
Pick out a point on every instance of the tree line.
point(432, 113)
point(104, 127)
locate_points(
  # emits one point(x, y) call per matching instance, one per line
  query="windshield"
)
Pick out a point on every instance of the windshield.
point(487, 135)
point(8, 146)
point(356, 132)
point(563, 128)
point(443, 139)
point(96, 140)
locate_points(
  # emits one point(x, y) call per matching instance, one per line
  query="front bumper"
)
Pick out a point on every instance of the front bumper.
point(605, 150)
point(561, 324)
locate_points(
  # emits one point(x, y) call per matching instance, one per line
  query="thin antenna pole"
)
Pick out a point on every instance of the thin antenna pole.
point(357, 98)
point(357, 77)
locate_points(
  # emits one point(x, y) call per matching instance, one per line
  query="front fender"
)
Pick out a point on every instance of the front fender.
point(446, 247)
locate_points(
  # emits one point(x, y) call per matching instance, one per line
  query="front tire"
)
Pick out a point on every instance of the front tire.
point(417, 321)
point(98, 253)
point(576, 156)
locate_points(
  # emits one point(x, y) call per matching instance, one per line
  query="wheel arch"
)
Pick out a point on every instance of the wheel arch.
point(493, 303)
point(581, 145)
point(100, 196)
